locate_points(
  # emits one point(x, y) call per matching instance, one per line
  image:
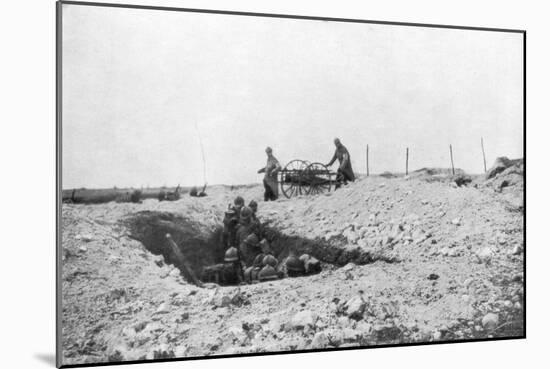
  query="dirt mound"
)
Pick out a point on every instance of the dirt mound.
point(459, 275)
point(506, 173)
point(436, 174)
point(501, 164)
point(390, 219)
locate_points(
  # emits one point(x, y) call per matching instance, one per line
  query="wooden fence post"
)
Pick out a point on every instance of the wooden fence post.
point(407, 162)
point(452, 163)
point(483, 151)
point(367, 160)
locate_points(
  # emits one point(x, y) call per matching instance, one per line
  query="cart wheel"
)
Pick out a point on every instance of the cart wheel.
point(319, 179)
point(291, 178)
point(303, 187)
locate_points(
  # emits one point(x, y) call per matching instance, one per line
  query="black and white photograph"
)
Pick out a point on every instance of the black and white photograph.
point(238, 184)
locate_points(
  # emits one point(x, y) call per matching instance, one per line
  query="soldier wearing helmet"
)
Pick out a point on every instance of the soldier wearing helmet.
point(268, 273)
point(229, 224)
point(251, 273)
point(232, 271)
point(253, 205)
point(231, 255)
point(258, 229)
point(238, 204)
point(245, 226)
point(292, 266)
point(249, 249)
point(270, 260)
point(231, 221)
point(245, 217)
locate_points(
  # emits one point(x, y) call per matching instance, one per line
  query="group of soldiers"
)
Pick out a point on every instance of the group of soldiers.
point(248, 256)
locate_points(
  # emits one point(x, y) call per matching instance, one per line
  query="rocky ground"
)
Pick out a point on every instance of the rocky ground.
point(405, 259)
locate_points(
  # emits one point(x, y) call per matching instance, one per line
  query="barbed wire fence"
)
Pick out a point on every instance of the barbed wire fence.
point(408, 153)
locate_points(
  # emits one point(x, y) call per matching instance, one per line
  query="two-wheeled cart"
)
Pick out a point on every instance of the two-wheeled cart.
point(300, 177)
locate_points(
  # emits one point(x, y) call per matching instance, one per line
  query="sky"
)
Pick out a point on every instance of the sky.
point(143, 88)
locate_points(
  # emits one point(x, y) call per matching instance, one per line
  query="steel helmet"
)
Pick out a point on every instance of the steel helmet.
point(231, 255)
point(304, 258)
point(251, 239)
point(248, 274)
point(294, 264)
point(246, 212)
point(269, 260)
point(239, 201)
point(268, 273)
point(258, 260)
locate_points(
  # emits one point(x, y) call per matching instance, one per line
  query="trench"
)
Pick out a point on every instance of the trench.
point(201, 244)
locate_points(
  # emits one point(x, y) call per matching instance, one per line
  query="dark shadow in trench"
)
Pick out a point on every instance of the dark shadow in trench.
point(201, 245)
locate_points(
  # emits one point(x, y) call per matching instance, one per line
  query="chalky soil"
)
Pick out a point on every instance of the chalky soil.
point(404, 260)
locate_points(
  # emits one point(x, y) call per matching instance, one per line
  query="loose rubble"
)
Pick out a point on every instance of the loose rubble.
point(403, 260)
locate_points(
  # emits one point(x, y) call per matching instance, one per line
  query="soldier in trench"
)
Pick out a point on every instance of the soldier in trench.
point(251, 273)
point(245, 225)
point(247, 236)
point(232, 268)
point(258, 228)
point(294, 266)
point(231, 221)
point(345, 171)
point(253, 205)
point(249, 249)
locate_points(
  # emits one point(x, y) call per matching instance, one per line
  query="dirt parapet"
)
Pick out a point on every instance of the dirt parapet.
point(505, 173)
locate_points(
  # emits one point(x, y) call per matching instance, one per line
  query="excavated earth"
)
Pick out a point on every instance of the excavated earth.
point(408, 259)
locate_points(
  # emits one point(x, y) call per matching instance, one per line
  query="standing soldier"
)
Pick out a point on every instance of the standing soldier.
point(245, 226)
point(345, 172)
point(271, 169)
point(253, 205)
point(247, 236)
point(238, 204)
point(257, 225)
point(230, 222)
